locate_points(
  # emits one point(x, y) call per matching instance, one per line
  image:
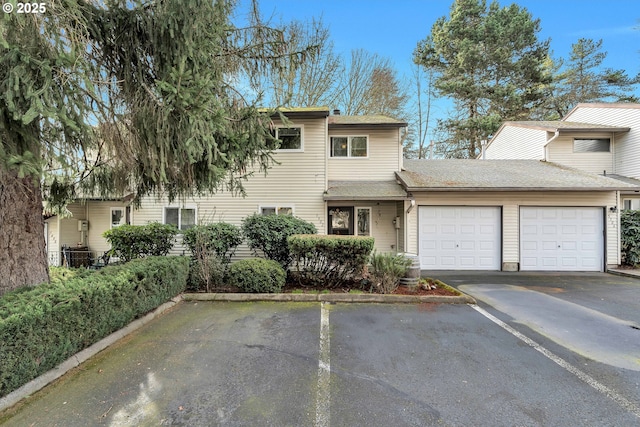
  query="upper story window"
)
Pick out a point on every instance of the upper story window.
point(349, 146)
point(181, 218)
point(599, 145)
point(276, 210)
point(290, 138)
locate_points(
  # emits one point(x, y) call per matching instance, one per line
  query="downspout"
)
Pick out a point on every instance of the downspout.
point(618, 231)
point(412, 204)
point(546, 145)
point(325, 217)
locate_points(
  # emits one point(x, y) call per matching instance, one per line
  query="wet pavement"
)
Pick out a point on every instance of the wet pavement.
point(313, 364)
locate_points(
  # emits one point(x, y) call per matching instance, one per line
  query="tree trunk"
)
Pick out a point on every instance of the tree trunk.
point(23, 260)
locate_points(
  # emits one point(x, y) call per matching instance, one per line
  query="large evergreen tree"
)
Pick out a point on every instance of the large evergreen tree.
point(490, 62)
point(583, 78)
point(120, 96)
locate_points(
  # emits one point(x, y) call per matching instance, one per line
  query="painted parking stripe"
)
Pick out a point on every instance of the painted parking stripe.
point(616, 397)
point(324, 371)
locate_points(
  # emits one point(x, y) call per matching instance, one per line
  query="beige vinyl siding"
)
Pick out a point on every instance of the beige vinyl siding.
point(298, 181)
point(510, 203)
point(99, 214)
point(561, 151)
point(68, 227)
point(382, 161)
point(53, 241)
point(514, 142)
point(626, 145)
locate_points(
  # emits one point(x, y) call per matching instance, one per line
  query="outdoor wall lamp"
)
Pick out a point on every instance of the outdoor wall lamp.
point(613, 209)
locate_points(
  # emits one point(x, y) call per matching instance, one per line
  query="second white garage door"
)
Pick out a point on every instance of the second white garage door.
point(459, 237)
point(561, 239)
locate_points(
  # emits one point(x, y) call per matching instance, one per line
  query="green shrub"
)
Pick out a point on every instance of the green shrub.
point(62, 274)
point(257, 275)
point(136, 241)
point(630, 236)
point(332, 260)
point(43, 326)
point(269, 233)
point(386, 270)
point(220, 238)
point(206, 272)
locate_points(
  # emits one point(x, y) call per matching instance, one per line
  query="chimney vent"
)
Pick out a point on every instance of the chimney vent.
point(336, 112)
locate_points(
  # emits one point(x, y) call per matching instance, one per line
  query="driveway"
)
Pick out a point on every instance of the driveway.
point(312, 364)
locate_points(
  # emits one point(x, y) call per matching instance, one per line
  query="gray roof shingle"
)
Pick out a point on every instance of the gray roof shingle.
point(365, 190)
point(501, 175)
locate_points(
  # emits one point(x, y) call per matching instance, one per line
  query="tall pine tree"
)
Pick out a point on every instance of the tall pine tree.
point(489, 61)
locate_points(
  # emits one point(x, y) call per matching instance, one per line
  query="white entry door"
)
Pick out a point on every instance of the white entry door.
point(561, 239)
point(459, 237)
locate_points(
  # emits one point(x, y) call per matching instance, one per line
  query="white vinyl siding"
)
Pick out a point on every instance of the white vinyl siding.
point(515, 142)
point(381, 163)
point(561, 151)
point(511, 203)
point(625, 144)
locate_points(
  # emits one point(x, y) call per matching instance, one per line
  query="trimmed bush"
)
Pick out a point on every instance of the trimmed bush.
point(630, 236)
point(386, 271)
point(333, 260)
point(220, 238)
point(43, 326)
point(137, 241)
point(257, 275)
point(269, 233)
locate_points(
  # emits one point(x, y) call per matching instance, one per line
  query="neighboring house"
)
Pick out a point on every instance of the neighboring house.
point(334, 171)
point(539, 205)
point(598, 138)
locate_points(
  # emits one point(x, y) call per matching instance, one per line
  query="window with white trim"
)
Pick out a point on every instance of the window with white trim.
point(349, 146)
point(597, 145)
point(118, 217)
point(276, 210)
point(181, 218)
point(290, 138)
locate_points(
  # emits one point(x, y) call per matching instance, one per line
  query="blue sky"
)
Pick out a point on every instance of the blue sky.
point(393, 28)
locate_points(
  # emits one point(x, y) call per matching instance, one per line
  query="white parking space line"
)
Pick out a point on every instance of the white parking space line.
point(616, 397)
point(323, 414)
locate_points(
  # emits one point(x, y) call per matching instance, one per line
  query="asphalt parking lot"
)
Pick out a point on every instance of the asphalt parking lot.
point(313, 364)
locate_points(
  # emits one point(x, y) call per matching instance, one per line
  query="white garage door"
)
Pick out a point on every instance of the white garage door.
point(459, 237)
point(561, 239)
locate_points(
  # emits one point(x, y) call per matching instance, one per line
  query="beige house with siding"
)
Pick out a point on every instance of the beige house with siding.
point(539, 201)
point(325, 163)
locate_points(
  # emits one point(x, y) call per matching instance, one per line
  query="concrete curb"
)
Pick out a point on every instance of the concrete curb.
point(48, 377)
point(635, 275)
point(346, 298)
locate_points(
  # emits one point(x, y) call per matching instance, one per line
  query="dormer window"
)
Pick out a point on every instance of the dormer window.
point(349, 146)
point(598, 145)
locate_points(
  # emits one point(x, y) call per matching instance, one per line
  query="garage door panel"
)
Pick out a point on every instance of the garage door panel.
point(466, 237)
point(568, 239)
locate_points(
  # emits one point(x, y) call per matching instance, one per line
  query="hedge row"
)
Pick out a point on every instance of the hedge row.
point(43, 326)
point(332, 260)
